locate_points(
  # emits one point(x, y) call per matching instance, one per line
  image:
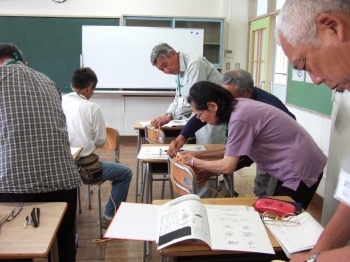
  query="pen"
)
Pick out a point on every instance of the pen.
point(25, 223)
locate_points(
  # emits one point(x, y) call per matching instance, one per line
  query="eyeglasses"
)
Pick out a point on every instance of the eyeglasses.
point(13, 214)
point(288, 219)
point(199, 116)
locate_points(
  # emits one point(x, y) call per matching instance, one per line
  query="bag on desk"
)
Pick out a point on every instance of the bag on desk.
point(89, 167)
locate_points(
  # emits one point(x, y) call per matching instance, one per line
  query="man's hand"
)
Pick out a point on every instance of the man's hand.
point(175, 145)
point(202, 176)
point(187, 156)
point(161, 120)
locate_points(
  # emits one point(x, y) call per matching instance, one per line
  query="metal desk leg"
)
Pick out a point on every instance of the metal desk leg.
point(143, 183)
point(54, 250)
point(145, 250)
point(137, 165)
point(231, 184)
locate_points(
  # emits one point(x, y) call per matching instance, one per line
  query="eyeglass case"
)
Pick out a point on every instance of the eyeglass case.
point(279, 207)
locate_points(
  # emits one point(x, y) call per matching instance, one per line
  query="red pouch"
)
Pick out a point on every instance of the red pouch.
point(276, 206)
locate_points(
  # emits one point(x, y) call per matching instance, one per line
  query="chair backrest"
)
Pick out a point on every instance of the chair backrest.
point(112, 143)
point(154, 135)
point(182, 177)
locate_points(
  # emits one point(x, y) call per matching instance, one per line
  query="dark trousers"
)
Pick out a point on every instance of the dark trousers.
point(66, 231)
point(303, 194)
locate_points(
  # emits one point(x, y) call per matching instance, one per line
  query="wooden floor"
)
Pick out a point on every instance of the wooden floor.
point(131, 251)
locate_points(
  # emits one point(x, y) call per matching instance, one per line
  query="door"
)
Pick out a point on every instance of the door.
point(259, 51)
point(279, 85)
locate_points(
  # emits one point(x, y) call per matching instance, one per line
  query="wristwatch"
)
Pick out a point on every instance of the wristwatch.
point(313, 257)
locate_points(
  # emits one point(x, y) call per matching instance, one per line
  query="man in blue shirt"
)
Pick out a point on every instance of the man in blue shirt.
point(240, 83)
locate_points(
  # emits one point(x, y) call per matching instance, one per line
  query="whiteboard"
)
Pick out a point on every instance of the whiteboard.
point(120, 55)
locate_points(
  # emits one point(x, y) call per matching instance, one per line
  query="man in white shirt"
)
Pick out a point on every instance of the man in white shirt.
point(86, 128)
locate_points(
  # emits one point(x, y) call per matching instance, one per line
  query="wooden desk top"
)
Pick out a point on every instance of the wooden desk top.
point(187, 248)
point(138, 126)
point(30, 242)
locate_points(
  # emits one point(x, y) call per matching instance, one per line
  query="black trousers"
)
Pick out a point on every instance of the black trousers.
point(303, 194)
point(66, 231)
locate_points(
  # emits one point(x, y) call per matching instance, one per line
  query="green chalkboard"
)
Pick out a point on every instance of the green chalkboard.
point(51, 45)
point(306, 95)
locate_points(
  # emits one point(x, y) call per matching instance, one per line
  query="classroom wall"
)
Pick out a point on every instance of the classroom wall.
point(234, 11)
point(319, 127)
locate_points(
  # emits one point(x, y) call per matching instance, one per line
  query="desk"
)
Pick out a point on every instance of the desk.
point(151, 161)
point(140, 129)
point(190, 251)
point(32, 242)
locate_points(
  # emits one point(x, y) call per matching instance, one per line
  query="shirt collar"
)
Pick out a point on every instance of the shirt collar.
point(182, 63)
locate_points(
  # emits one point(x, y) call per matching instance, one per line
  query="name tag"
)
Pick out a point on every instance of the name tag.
point(342, 192)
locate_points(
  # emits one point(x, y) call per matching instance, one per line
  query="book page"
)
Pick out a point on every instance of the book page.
point(238, 231)
point(293, 237)
point(181, 219)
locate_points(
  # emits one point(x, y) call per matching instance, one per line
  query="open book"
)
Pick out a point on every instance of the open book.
point(187, 218)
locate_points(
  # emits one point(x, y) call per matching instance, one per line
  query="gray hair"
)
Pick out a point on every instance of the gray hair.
point(160, 50)
point(297, 19)
point(242, 79)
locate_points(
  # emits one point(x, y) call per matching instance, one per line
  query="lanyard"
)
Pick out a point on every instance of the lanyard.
point(178, 89)
point(10, 62)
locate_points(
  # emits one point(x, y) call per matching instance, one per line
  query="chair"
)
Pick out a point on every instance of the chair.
point(155, 136)
point(112, 144)
point(183, 179)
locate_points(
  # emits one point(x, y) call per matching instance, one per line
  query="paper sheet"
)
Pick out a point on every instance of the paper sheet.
point(145, 123)
point(73, 150)
point(134, 221)
point(176, 123)
point(293, 237)
point(160, 152)
point(170, 124)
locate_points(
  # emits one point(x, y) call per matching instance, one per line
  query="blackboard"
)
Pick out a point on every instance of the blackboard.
point(51, 45)
point(317, 98)
point(125, 59)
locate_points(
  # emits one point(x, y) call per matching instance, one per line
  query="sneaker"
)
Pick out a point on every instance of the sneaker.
point(105, 222)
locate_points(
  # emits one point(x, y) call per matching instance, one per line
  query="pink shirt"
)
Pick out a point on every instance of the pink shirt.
point(276, 142)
